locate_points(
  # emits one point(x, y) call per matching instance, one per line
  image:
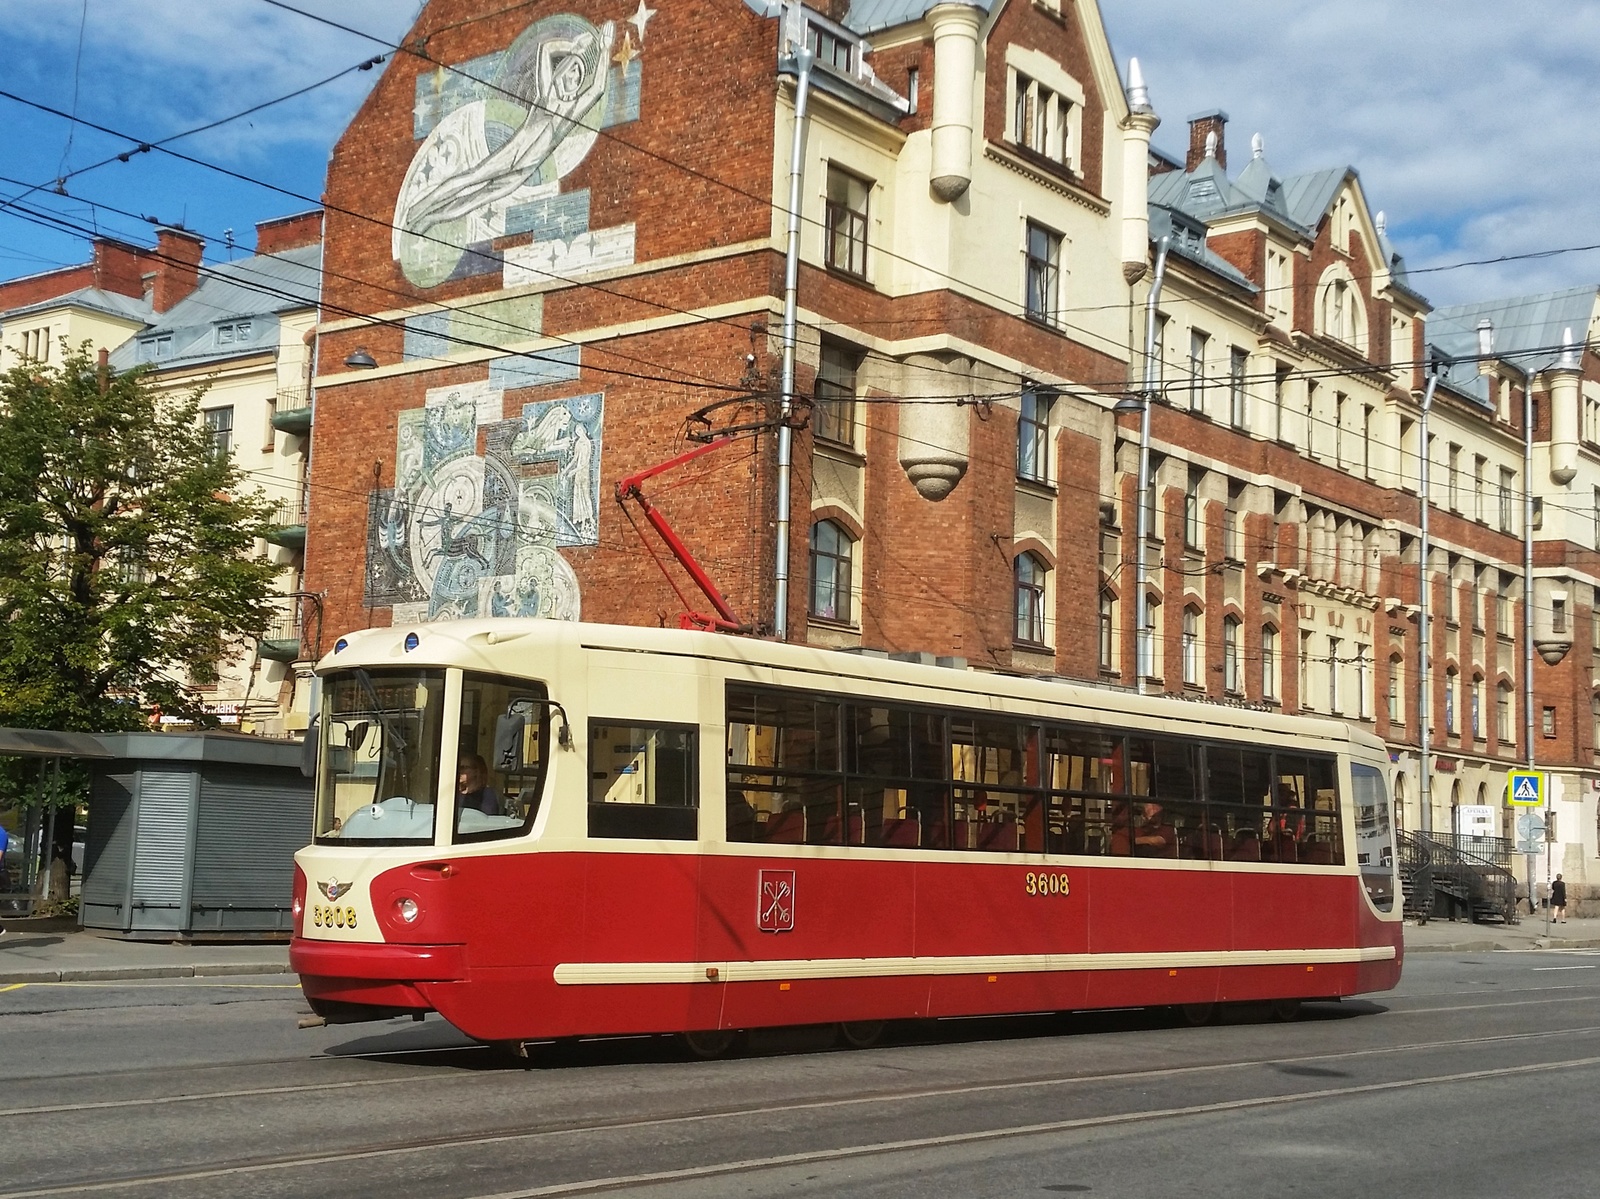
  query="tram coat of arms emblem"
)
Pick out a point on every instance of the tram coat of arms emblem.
point(775, 901)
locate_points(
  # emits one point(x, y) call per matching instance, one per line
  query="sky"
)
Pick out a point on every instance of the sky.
point(1471, 122)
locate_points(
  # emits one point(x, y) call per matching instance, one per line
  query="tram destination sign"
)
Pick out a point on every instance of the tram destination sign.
point(1525, 788)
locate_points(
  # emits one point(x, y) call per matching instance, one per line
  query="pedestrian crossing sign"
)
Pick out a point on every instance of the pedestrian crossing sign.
point(1525, 788)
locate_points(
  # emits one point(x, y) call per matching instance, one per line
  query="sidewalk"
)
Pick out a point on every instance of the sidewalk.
point(35, 951)
point(1446, 936)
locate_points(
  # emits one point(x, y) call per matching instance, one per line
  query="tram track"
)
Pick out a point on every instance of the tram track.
point(1303, 1066)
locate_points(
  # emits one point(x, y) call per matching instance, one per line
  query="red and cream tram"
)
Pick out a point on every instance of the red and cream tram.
point(543, 829)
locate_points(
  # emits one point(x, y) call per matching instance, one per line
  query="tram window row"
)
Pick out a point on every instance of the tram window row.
point(815, 770)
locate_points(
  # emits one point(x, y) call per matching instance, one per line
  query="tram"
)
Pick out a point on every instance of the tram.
point(544, 829)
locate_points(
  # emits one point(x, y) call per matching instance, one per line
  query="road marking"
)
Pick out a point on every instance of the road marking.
point(590, 1185)
point(12, 987)
point(1547, 969)
point(131, 984)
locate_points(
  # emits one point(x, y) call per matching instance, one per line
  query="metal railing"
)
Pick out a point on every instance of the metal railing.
point(1457, 877)
point(288, 512)
point(292, 398)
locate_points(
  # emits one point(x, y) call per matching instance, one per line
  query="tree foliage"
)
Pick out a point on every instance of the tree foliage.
point(127, 563)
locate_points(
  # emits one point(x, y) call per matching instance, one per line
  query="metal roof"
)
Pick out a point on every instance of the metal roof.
point(256, 289)
point(1527, 329)
point(46, 743)
point(95, 300)
point(869, 16)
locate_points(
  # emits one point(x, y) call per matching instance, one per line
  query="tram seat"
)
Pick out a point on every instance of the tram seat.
point(1206, 842)
point(831, 826)
point(787, 827)
point(1033, 825)
point(1246, 847)
point(1316, 853)
point(902, 833)
point(1284, 849)
point(998, 836)
point(963, 832)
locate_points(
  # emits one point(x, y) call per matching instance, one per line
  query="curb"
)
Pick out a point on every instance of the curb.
point(125, 973)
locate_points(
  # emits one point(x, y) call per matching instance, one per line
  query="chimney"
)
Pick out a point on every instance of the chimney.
point(1200, 126)
point(118, 268)
point(289, 232)
point(177, 266)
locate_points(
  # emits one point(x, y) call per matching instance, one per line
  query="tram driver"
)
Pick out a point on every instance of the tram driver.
point(472, 785)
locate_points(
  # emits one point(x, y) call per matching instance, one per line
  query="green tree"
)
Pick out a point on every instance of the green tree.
point(127, 563)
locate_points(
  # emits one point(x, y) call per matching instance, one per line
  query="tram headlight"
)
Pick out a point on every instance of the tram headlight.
point(408, 909)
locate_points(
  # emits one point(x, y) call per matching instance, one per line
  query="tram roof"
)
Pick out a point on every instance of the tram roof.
point(464, 643)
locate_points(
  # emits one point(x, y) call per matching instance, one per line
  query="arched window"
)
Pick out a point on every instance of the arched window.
point(1502, 717)
point(1397, 690)
point(1339, 309)
point(1193, 660)
point(832, 555)
point(1594, 707)
point(1451, 679)
point(1231, 681)
point(1108, 630)
point(1399, 802)
point(1031, 575)
point(1477, 708)
point(1150, 644)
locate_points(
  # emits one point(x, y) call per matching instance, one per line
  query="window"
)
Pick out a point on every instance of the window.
point(1479, 466)
point(1374, 838)
point(1453, 476)
point(1547, 722)
point(1043, 261)
point(642, 782)
point(846, 216)
point(1508, 482)
point(1305, 672)
point(1311, 417)
point(154, 349)
point(1366, 440)
point(1193, 659)
point(233, 333)
point(1502, 717)
point(1030, 576)
point(1558, 616)
point(1269, 663)
point(1193, 525)
point(1452, 568)
point(1597, 518)
point(1335, 669)
point(913, 78)
point(1280, 384)
point(1230, 656)
point(1502, 607)
point(219, 425)
point(1033, 434)
point(501, 747)
point(1108, 631)
point(1231, 547)
point(1477, 708)
point(831, 553)
point(1363, 684)
point(1278, 283)
point(1198, 342)
point(831, 49)
point(1039, 118)
point(1339, 399)
point(1150, 649)
point(834, 417)
point(1238, 367)
point(1450, 680)
point(1397, 702)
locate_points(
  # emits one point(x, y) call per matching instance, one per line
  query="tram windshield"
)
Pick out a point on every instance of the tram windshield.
point(378, 774)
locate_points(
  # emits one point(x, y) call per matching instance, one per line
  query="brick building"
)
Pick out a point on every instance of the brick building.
point(555, 235)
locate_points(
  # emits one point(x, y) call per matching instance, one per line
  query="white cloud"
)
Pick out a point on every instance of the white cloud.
point(1467, 119)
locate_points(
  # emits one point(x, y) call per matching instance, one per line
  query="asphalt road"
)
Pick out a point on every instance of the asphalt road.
point(1475, 1077)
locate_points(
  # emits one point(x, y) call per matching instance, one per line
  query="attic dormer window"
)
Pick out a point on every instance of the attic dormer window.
point(153, 349)
point(233, 333)
point(1339, 312)
point(1039, 118)
point(831, 49)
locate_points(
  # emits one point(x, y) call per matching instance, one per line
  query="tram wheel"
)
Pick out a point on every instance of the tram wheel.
point(861, 1034)
point(710, 1044)
point(1196, 1014)
point(1286, 1010)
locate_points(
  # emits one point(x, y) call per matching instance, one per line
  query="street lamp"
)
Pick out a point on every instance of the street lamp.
point(361, 360)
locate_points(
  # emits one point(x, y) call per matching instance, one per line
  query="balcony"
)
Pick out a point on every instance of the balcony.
point(287, 525)
point(293, 412)
point(281, 642)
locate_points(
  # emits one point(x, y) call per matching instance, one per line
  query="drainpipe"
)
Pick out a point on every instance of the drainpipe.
point(1424, 611)
point(791, 283)
point(1141, 633)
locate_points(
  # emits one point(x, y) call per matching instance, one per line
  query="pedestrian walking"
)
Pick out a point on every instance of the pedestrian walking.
point(1558, 899)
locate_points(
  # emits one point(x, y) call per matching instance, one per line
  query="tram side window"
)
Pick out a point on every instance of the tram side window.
point(783, 781)
point(1374, 837)
point(994, 764)
point(1083, 769)
point(642, 782)
point(1303, 825)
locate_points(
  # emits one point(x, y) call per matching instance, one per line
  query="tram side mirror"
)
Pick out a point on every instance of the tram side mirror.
point(308, 748)
point(509, 729)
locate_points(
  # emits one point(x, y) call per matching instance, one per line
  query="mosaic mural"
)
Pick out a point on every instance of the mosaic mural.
point(463, 533)
point(481, 506)
point(498, 134)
